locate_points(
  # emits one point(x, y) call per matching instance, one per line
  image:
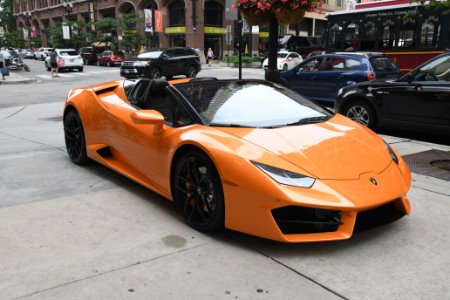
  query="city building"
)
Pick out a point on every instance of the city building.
point(191, 23)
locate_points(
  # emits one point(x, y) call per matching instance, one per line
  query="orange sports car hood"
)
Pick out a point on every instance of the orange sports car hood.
point(337, 149)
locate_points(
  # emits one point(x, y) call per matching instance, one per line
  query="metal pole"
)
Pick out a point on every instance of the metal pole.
point(239, 24)
point(272, 73)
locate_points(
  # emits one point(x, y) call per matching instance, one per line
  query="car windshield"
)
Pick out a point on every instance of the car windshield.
point(250, 104)
point(153, 54)
point(68, 53)
point(282, 55)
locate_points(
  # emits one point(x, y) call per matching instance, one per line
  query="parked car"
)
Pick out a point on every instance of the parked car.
point(28, 53)
point(300, 44)
point(68, 59)
point(42, 53)
point(285, 60)
point(320, 77)
point(163, 62)
point(89, 55)
point(247, 155)
point(110, 58)
point(420, 100)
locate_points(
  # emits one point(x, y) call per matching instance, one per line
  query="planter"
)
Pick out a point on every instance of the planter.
point(289, 16)
point(253, 18)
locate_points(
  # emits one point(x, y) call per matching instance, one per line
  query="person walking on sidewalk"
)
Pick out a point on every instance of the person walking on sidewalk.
point(54, 64)
point(2, 65)
point(209, 56)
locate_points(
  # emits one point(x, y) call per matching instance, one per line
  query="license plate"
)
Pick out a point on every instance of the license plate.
point(72, 60)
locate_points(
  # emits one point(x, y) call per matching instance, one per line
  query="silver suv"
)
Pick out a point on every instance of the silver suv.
point(42, 53)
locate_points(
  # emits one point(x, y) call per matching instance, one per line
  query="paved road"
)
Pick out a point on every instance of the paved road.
point(70, 232)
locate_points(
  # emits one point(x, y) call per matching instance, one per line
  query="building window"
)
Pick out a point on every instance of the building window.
point(339, 3)
point(407, 33)
point(177, 16)
point(213, 13)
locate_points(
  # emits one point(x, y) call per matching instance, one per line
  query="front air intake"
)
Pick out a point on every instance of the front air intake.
point(297, 219)
point(378, 216)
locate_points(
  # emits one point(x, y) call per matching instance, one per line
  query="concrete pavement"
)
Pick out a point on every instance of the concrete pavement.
point(70, 232)
point(18, 77)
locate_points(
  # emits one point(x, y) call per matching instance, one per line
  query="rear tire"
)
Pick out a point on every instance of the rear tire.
point(74, 138)
point(191, 72)
point(363, 113)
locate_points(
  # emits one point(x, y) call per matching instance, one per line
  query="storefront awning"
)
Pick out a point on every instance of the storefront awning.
point(215, 30)
point(175, 30)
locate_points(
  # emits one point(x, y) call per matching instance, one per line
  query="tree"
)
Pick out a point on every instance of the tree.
point(6, 15)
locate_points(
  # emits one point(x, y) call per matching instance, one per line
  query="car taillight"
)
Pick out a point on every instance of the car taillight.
point(61, 62)
point(371, 76)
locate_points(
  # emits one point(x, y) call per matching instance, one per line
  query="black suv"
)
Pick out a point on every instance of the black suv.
point(163, 62)
point(89, 55)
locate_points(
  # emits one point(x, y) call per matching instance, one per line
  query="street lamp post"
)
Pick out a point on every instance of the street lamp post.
point(28, 15)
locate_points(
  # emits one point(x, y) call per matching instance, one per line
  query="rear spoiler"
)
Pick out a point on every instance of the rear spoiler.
point(108, 86)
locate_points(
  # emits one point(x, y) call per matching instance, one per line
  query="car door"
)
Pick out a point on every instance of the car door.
point(293, 60)
point(422, 98)
point(302, 78)
point(169, 62)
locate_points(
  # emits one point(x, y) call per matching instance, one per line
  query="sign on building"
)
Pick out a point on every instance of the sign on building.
point(66, 32)
point(148, 22)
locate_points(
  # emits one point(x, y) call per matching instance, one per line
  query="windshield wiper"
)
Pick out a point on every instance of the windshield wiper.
point(310, 120)
point(227, 125)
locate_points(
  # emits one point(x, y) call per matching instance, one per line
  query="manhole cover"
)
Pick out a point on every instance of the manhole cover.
point(54, 119)
point(434, 163)
point(441, 164)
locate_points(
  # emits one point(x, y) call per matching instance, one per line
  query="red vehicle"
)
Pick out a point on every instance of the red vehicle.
point(408, 36)
point(110, 58)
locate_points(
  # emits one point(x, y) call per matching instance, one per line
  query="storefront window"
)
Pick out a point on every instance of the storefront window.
point(387, 34)
point(431, 30)
point(407, 33)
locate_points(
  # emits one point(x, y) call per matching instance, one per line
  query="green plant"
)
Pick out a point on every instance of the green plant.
point(234, 59)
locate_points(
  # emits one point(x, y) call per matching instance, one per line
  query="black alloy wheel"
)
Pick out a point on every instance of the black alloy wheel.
point(192, 72)
point(362, 113)
point(74, 137)
point(197, 189)
point(154, 73)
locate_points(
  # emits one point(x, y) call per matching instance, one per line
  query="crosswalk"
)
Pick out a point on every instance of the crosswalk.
point(78, 74)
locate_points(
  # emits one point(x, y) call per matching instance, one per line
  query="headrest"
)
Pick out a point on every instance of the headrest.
point(158, 88)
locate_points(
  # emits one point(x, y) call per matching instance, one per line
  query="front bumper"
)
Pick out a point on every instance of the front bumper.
point(330, 210)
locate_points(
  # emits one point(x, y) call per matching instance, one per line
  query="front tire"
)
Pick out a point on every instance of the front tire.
point(362, 113)
point(154, 73)
point(197, 189)
point(74, 138)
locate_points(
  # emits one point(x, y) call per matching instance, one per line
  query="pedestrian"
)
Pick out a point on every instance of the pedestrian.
point(54, 64)
point(2, 65)
point(209, 56)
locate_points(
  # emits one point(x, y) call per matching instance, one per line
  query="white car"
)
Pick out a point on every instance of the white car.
point(42, 53)
point(285, 60)
point(67, 59)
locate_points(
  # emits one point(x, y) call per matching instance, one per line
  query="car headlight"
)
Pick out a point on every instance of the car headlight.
point(391, 152)
point(140, 63)
point(285, 177)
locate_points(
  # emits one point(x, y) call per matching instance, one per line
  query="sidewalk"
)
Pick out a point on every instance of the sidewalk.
point(17, 77)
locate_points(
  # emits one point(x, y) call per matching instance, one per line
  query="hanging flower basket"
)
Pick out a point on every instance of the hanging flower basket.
point(258, 18)
point(289, 16)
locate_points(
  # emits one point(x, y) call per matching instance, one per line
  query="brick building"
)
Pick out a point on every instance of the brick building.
point(193, 23)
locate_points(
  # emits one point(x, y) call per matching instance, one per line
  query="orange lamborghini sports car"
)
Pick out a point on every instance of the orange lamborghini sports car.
point(247, 155)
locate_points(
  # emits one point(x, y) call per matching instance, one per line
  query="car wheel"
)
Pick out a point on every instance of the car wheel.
point(154, 73)
point(35, 58)
point(192, 72)
point(80, 69)
point(47, 67)
point(362, 113)
point(74, 137)
point(197, 189)
point(285, 67)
